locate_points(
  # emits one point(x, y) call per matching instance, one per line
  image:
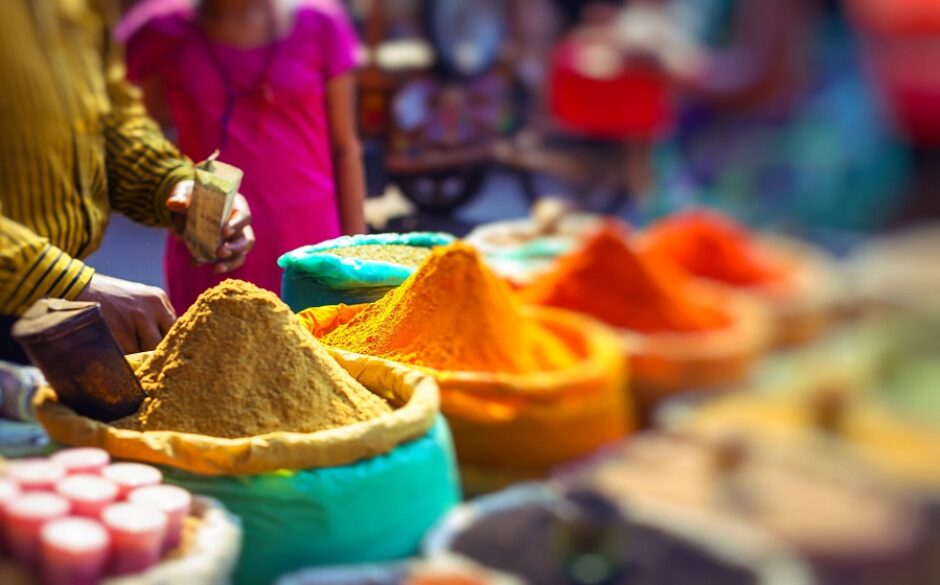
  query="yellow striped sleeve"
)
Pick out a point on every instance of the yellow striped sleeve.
point(32, 268)
point(142, 165)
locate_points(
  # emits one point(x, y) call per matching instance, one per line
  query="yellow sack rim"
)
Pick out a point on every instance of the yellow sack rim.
point(595, 343)
point(417, 392)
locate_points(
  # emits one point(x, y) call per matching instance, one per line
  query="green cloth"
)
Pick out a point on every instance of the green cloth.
point(314, 278)
point(374, 510)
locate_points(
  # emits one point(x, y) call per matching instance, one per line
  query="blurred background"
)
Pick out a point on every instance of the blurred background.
point(819, 118)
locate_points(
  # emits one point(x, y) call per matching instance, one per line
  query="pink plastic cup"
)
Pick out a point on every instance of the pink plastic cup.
point(82, 460)
point(74, 551)
point(89, 494)
point(35, 475)
point(137, 535)
point(25, 516)
point(173, 501)
point(130, 476)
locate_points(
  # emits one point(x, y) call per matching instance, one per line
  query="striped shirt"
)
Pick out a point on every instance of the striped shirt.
point(75, 143)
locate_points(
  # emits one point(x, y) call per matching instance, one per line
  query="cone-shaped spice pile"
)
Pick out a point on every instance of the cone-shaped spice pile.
point(239, 364)
point(454, 314)
point(607, 279)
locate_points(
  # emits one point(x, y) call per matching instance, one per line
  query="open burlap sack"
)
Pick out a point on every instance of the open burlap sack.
point(512, 427)
point(415, 395)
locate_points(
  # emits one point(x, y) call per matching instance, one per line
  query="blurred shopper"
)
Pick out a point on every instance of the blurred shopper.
point(270, 84)
point(77, 144)
point(779, 125)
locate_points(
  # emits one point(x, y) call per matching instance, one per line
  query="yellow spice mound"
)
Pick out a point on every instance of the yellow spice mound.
point(454, 314)
point(238, 364)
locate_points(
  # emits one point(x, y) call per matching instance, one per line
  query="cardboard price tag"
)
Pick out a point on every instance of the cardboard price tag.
point(214, 192)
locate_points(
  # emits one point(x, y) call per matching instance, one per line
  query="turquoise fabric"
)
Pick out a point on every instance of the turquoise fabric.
point(374, 510)
point(313, 278)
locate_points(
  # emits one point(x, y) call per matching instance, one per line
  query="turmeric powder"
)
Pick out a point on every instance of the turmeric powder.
point(454, 314)
point(708, 245)
point(238, 364)
point(607, 279)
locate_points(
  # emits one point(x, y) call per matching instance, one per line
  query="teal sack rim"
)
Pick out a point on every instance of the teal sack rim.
point(341, 272)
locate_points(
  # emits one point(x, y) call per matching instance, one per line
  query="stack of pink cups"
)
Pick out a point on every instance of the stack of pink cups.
point(76, 517)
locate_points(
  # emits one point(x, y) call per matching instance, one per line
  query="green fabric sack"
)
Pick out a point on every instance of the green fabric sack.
point(313, 278)
point(374, 510)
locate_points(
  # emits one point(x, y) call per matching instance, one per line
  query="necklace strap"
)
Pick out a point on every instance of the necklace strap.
point(232, 92)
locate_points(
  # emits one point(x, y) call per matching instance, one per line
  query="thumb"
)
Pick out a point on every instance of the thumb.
point(180, 197)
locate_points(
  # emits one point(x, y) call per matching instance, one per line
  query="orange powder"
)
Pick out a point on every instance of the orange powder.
point(711, 246)
point(454, 314)
point(607, 279)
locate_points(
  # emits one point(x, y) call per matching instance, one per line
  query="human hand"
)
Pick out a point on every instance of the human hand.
point(138, 315)
point(238, 237)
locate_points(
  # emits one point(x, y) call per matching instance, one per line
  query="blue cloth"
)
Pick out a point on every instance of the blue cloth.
point(373, 510)
point(314, 278)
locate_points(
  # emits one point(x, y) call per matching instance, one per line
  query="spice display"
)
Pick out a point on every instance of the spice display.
point(454, 314)
point(352, 270)
point(542, 537)
point(830, 511)
point(901, 447)
point(239, 364)
point(394, 253)
point(712, 246)
point(608, 279)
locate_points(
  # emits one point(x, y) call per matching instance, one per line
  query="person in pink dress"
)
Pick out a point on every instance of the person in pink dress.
point(268, 83)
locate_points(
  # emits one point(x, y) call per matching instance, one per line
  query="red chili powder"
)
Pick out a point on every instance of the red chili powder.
point(711, 246)
point(608, 279)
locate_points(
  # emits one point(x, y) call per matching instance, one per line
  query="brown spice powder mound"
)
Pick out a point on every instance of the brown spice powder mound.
point(239, 364)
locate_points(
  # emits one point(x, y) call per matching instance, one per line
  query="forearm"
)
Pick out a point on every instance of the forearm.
point(32, 268)
point(142, 166)
point(350, 188)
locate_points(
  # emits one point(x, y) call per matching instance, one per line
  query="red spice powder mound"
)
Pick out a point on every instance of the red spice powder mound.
point(607, 279)
point(711, 246)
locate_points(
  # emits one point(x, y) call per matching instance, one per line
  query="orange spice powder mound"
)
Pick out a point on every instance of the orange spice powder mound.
point(454, 314)
point(607, 279)
point(711, 246)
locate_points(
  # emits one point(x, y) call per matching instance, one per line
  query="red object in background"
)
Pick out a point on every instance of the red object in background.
point(897, 17)
point(901, 46)
point(625, 101)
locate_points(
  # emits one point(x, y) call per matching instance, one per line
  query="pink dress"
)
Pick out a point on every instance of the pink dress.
point(277, 129)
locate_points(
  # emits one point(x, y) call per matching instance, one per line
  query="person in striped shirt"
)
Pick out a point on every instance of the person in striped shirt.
point(75, 144)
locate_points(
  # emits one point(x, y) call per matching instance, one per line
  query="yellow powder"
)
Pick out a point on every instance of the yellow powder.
point(239, 364)
point(394, 253)
point(454, 314)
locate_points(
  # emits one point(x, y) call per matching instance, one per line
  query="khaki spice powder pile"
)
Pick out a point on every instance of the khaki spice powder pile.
point(239, 364)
